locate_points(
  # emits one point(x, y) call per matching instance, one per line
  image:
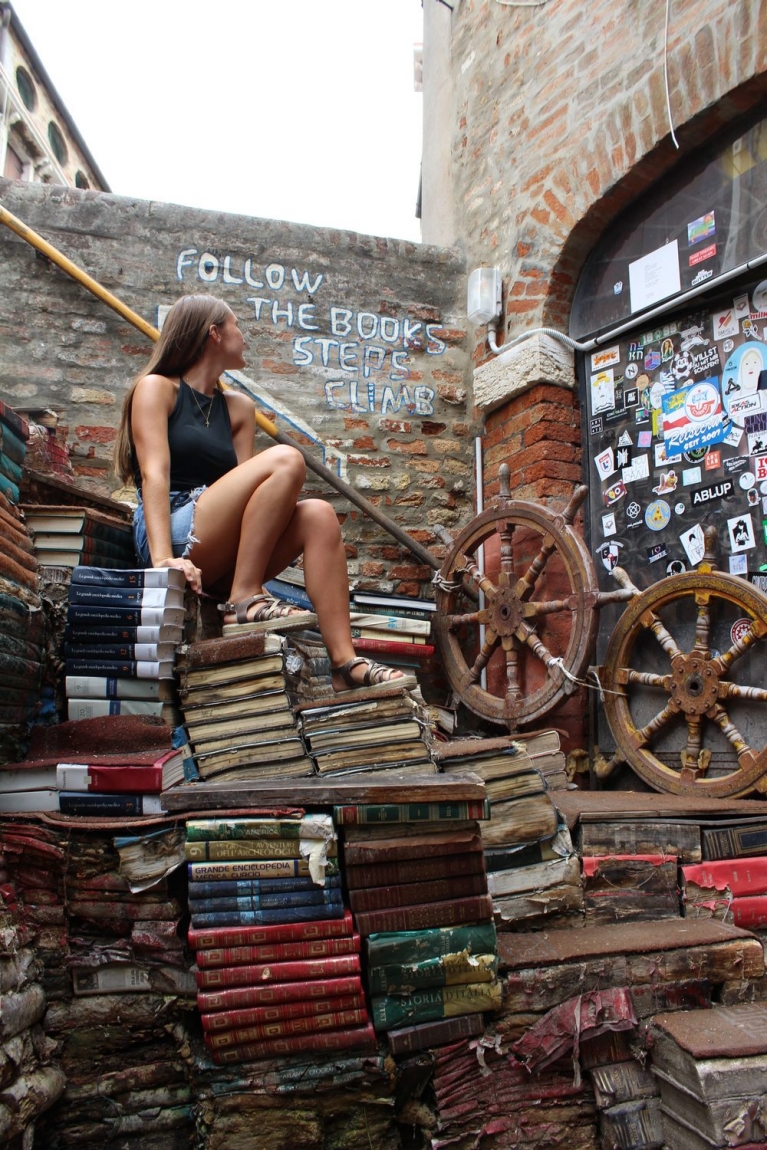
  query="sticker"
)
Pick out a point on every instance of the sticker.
point(657, 515)
point(603, 391)
point(681, 368)
point(735, 464)
point(740, 306)
point(632, 371)
point(740, 378)
point(614, 493)
point(667, 483)
point(652, 360)
point(727, 346)
point(712, 494)
point(757, 443)
point(725, 323)
point(713, 461)
point(757, 421)
point(693, 417)
point(739, 628)
point(596, 425)
point(656, 396)
point(733, 437)
point(617, 287)
point(752, 497)
point(633, 510)
point(760, 582)
point(750, 329)
point(741, 529)
point(644, 439)
point(679, 508)
point(705, 362)
point(697, 455)
point(675, 567)
point(625, 440)
point(662, 458)
point(657, 552)
point(694, 544)
point(638, 469)
point(760, 467)
point(759, 297)
point(701, 228)
point(667, 350)
point(691, 476)
point(700, 257)
point(693, 337)
point(607, 357)
point(609, 553)
point(623, 458)
point(738, 565)
point(608, 524)
point(635, 352)
point(764, 507)
point(701, 276)
point(605, 463)
point(747, 480)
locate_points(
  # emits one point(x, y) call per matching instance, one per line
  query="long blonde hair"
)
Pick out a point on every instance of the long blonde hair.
point(180, 345)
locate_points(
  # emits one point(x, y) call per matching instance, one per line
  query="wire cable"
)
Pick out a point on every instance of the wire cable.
point(665, 77)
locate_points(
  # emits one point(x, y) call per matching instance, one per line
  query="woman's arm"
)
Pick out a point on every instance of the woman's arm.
point(242, 420)
point(153, 402)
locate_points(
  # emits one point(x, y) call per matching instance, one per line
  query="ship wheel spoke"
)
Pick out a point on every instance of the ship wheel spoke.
point(527, 635)
point(661, 720)
point(729, 690)
point(643, 678)
point(702, 625)
point(513, 689)
point(693, 758)
point(455, 622)
point(751, 635)
point(526, 583)
point(482, 659)
point(651, 622)
point(505, 536)
point(719, 716)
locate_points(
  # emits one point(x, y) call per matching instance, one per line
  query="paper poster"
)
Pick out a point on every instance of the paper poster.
point(655, 276)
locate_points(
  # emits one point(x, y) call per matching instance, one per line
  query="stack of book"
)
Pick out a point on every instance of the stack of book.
point(734, 890)
point(386, 732)
point(625, 1091)
point(544, 749)
point(237, 711)
point(80, 536)
point(277, 956)
point(14, 433)
point(630, 887)
point(47, 450)
point(394, 629)
point(536, 884)
point(711, 1066)
point(417, 888)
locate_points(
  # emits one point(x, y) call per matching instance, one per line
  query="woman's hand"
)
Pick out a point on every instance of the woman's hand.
point(192, 574)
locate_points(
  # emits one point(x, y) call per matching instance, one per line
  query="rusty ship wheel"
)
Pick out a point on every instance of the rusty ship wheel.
point(533, 591)
point(685, 685)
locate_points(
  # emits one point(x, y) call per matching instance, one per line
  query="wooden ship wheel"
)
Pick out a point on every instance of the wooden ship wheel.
point(521, 573)
point(685, 684)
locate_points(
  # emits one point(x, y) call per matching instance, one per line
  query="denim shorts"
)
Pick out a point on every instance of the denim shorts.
point(182, 508)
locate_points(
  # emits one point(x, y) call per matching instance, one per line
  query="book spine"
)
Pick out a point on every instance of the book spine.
point(258, 1015)
point(290, 593)
point(202, 830)
point(100, 780)
point(88, 596)
point(110, 687)
point(115, 668)
point(254, 868)
point(136, 652)
point(383, 605)
point(269, 935)
point(245, 997)
point(129, 577)
point(13, 443)
point(472, 909)
point(263, 917)
point(449, 970)
point(255, 902)
point(114, 635)
point(234, 888)
point(93, 708)
point(733, 842)
point(439, 1033)
point(382, 813)
point(743, 876)
point(314, 1024)
point(394, 647)
point(278, 952)
point(262, 974)
point(80, 614)
point(407, 849)
point(221, 850)
point(419, 870)
point(387, 636)
point(396, 624)
point(428, 1005)
point(413, 947)
point(108, 806)
point(749, 912)
point(414, 894)
point(362, 1037)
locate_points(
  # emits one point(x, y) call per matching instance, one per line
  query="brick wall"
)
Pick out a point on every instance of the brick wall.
point(356, 346)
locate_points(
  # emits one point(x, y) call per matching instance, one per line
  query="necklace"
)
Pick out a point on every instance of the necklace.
point(206, 417)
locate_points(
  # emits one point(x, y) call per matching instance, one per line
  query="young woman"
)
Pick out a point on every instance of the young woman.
point(220, 513)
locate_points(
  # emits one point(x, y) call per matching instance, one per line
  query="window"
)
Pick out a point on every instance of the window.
point(14, 165)
point(81, 180)
point(27, 89)
point(56, 140)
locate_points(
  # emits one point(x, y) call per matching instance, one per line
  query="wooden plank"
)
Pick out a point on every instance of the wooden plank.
point(321, 792)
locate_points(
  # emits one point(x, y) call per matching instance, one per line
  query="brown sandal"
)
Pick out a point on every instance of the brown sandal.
point(374, 680)
point(272, 615)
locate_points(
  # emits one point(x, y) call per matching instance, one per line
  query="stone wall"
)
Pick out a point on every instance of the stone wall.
point(356, 346)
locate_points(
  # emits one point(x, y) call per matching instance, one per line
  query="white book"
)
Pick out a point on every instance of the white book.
point(396, 623)
point(104, 687)
point(27, 779)
point(95, 708)
point(42, 800)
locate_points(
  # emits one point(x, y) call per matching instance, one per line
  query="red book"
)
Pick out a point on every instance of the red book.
point(741, 876)
point(286, 1026)
point(278, 951)
point(142, 773)
point(394, 647)
point(419, 870)
point(307, 970)
point(355, 1038)
point(477, 908)
point(237, 998)
point(257, 1015)
point(749, 912)
point(417, 893)
point(214, 937)
point(412, 846)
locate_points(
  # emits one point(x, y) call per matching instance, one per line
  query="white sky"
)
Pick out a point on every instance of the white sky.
point(301, 110)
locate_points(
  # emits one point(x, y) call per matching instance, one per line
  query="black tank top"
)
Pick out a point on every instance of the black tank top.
point(199, 453)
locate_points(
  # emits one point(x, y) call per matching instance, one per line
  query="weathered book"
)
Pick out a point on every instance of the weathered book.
point(78, 520)
point(408, 754)
point(398, 604)
point(343, 714)
point(201, 713)
point(603, 906)
point(633, 1123)
point(396, 624)
point(14, 420)
point(745, 838)
point(535, 907)
point(474, 908)
point(640, 837)
point(200, 657)
point(425, 1035)
point(139, 772)
point(523, 820)
point(488, 758)
point(625, 1081)
point(138, 652)
point(417, 946)
point(120, 668)
point(419, 870)
point(327, 909)
point(380, 849)
point(60, 557)
point(80, 615)
point(678, 1134)
point(95, 708)
point(447, 970)
point(715, 1119)
point(278, 951)
point(313, 1024)
point(416, 893)
point(537, 876)
point(109, 806)
point(266, 827)
point(248, 728)
point(383, 813)
point(361, 1037)
point(112, 687)
point(271, 935)
point(278, 993)
point(741, 876)
point(306, 1008)
point(387, 730)
point(389, 1011)
point(262, 974)
point(85, 545)
point(112, 978)
point(13, 435)
point(249, 848)
point(387, 636)
point(267, 900)
point(386, 646)
point(650, 874)
point(135, 577)
point(515, 786)
point(254, 868)
point(247, 887)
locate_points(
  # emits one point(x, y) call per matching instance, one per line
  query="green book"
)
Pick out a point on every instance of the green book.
point(367, 814)
point(203, 830)
point(448, 970)
point(418, 945)
point(390, 1011)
